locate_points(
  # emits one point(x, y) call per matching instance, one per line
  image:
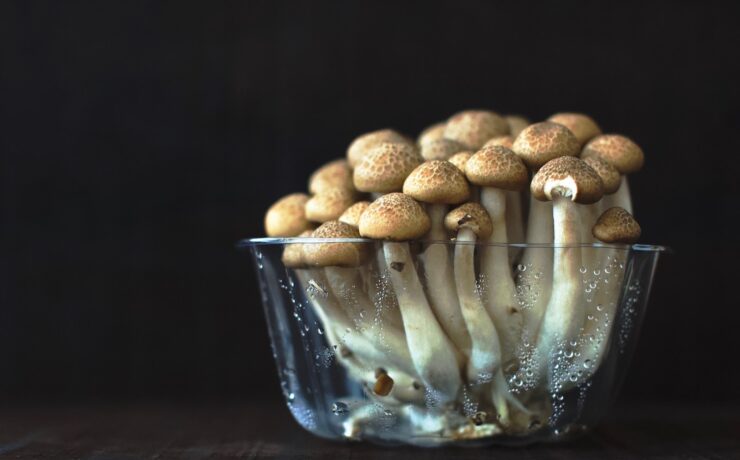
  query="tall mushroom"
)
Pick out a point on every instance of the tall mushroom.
point(611, 179)
point(624, 155)
point(472, 128)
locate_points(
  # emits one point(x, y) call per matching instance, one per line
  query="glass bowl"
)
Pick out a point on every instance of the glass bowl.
point(434, 343)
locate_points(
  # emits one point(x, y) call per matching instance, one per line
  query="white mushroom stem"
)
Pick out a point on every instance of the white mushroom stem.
point(514, 222)
point(501, 300)
point(621, 198)
point(432, 352)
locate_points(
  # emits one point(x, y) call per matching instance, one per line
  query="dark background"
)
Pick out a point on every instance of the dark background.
point(140, 140)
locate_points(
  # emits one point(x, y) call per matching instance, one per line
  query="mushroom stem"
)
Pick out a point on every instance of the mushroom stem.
point(432, 353)
point(537, 260)
point(514, 221)
point(621, 198)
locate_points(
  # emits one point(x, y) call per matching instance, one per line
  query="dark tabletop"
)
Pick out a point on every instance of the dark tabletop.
point(264, 430)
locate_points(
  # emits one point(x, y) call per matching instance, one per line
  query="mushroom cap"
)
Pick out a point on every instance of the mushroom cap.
point(472, 216)
point(497, 167)
point(506, 141)
point(352, 214)
point(440, 149)
point(287, 216)
point(335, 254)
point(437, 181)
point(541, 142)
point(336, 173)
point(516, 124)
point(610, 177)
point(362, 145)
point(432, 133)
point(569, 177)
point(293, 252)
point(395, 217)
point(581, 125)
point(329, 204)
point(473, 128)
point(384, 169)
point(616, 225)
point(460, 159)
point(618, 150)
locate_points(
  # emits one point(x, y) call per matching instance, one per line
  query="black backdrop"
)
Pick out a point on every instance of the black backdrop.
point(140, 140)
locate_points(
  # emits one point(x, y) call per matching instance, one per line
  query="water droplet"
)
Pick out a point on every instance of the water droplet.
point(599, 307)
point(573, 377)
point(583, 270)
point(291, 396)
point(597, 272)
point(339, 408)
point(587, 363)
point(590, 317)
point(569, 354)
point(521, 267)
point(320, 331)
point(387, 412)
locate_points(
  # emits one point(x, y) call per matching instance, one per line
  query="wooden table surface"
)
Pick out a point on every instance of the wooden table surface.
point(265, 430)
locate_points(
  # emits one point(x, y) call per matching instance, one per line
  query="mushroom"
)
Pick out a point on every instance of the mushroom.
point(363, 144)
point(581, 125)
point(516, 123)
point(334, 174)
point(385, 167)
point(440, 149)
point(565, 181)
point(287, 216)
point(397, 217)
point(611, 179)
point(459, 159)
point(506, 141)
point(432, 133)
point(329, 204)
point(497, 170)
point(352, 214)
point(472, 128)
point(439, 184)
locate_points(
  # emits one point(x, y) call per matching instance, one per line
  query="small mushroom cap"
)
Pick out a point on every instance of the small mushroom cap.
point(506, 141)
point(569, 177)
point(363, 144)
point(460, 159)
point(335, 254)
point(497, 167)
point(616, 225)
point(582, 126)
point(352, 215)
point(472, 216)
point(384, 169)
point(516, 123)
point(395, 217)
point(541, 142)
point(440, 149)
point(329, 204)
point(473, 128)
point(333, 174)
point(293, 252)
point(287, 216)
point(608, 173)
point(432, 133)
point(437, 181)
point(618, 150)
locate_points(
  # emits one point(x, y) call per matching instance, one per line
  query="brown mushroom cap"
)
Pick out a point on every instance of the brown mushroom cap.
point(506, 141)
point(437, 181)
point(293, 252)
point(618, 150)
point(335, 254)
point(569, 177)
point(582, 126)
point(363, 144)
point(541, 142)
point(516, 123)
point(432, 133)
point(395, 217)
point(460, 159)
point(473, 128)
point(608, 173)
point(440, 149)
point(333, 174)
point(287, 216)
point(616, 225)
point(329, 204)
point(497, 167)
point(352, 215)
point(472, 216)
point(384, 169)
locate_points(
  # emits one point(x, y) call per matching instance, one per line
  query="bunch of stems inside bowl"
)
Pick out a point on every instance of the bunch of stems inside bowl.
point(443, 315)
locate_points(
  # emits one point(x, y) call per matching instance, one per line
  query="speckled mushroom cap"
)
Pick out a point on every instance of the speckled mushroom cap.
point(618, 150)
point(396, 217)
point(516, 123)
point(287, 216)
point(437, 181)
point(352, 215)
point(336, 173)
point(616, 225)
point(293, 252)
point(384, 169)
point(432, 133)
point(460, 159)
point(440, 149)
point(473, 128)
point(329, 204)
point(472, 216)
point(541, 142)
point(506, 141)
point(582, 126)
point(363, 144)
point(335, 254)
point(610, 177)
point(569, 177)
point(497, 167)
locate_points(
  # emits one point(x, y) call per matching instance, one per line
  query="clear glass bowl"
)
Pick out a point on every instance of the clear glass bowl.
point(341, 335)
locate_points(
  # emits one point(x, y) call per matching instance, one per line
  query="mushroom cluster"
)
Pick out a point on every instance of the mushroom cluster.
point(439, 296)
